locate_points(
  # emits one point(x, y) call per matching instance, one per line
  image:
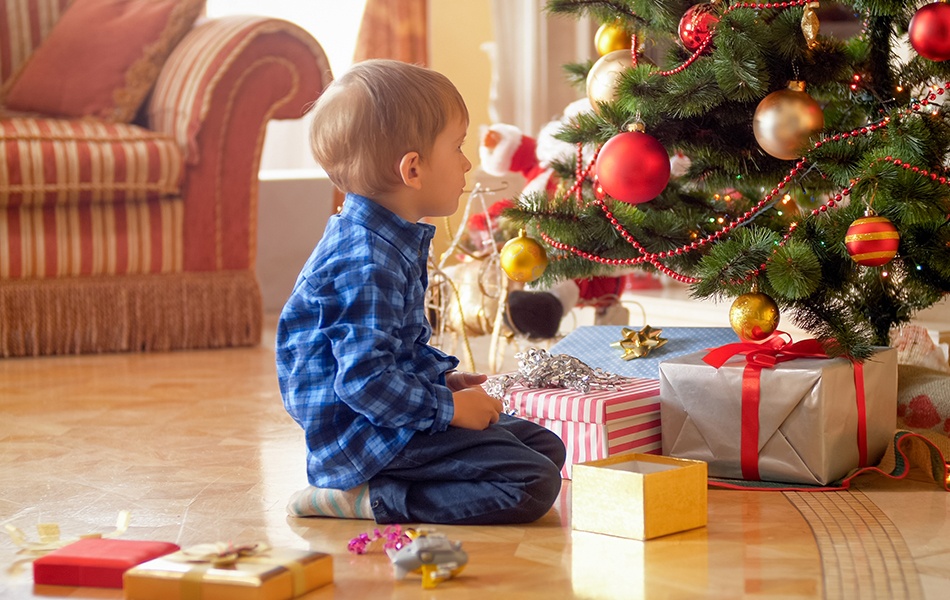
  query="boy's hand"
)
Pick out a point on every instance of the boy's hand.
point(457, 381)
point(475, 409)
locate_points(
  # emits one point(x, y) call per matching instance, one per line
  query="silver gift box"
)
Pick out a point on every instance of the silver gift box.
point(808, 417)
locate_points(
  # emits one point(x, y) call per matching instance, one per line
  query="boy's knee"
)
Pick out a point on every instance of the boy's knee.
point(559, 454)
point(542, 492)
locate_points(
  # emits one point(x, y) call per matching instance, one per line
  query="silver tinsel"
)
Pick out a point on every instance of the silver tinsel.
point(538, 369)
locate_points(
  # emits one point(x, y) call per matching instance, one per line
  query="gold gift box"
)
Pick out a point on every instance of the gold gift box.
point(280, 574)
point(638, 496)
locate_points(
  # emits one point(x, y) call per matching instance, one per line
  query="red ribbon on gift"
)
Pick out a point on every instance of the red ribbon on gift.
point(765, 355)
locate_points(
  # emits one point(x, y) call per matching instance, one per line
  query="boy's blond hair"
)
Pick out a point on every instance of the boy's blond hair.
point(375, 113)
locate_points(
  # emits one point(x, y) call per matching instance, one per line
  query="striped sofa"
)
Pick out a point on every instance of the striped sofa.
point(142, 237)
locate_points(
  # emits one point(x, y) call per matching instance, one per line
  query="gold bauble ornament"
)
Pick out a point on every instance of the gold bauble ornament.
point(785, 119)
point(523, 259)
point(611, 37)
point(754, 316)
point(602, 77)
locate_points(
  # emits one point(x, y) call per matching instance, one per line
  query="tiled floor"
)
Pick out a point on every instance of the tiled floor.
point(197, 446)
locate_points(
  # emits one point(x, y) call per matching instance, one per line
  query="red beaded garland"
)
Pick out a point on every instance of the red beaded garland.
point(872, 241)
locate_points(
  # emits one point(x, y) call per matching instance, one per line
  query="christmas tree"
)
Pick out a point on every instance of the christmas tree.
point(810, 174)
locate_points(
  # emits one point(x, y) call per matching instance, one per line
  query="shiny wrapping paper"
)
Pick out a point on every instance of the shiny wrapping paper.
point(596, 424)
point(808, 419)
point(279, 574)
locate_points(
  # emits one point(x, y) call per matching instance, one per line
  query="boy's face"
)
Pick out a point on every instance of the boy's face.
point(444, 172)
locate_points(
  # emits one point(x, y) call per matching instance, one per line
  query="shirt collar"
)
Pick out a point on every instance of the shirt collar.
point(416, 236)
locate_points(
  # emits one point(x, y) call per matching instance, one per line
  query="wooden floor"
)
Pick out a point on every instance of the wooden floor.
point(198, 447)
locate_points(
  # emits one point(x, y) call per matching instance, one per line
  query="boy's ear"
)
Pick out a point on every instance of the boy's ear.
point(409, 170)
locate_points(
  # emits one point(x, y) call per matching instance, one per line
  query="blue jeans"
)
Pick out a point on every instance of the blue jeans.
point(508, 473)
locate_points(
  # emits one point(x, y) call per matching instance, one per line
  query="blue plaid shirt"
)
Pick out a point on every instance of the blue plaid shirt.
point(355, 369)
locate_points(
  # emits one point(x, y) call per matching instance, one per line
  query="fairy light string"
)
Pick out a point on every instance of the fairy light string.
point(655, 258)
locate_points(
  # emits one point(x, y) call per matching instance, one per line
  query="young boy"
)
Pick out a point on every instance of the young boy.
point(393, 432)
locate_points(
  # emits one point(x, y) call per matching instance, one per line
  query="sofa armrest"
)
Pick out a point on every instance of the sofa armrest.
point(215, 95)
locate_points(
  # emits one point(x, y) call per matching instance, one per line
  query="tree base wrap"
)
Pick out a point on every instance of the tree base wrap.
point(809, 423)
point(918, 454)
point(592, 344)
point(145, 313)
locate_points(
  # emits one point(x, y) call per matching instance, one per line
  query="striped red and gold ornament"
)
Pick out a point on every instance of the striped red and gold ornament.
point(872, 241)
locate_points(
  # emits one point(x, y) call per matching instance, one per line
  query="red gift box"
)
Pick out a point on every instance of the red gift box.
point(597, 424)
point(96, 562)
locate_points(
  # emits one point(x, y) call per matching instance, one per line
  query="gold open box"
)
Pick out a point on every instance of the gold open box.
point(638, 496)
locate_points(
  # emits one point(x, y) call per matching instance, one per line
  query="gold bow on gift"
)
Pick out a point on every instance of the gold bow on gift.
point(221, 554)
point(638, 344)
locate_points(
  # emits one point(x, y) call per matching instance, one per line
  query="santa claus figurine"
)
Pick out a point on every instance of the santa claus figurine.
point(504, 149)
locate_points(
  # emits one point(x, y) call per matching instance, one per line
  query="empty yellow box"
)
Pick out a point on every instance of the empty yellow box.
point(638, 496)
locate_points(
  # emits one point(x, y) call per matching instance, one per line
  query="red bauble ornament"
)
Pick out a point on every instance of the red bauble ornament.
point(872, 241)
point(697, 25)
point(633, 167)
point(929, 31)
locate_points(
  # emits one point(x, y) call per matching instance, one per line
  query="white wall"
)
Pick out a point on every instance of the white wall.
point(293, 209)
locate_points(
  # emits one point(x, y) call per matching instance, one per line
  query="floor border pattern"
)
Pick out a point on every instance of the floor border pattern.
point(863, 555)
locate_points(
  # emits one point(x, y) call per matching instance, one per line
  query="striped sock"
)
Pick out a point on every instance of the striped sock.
point(327, 502)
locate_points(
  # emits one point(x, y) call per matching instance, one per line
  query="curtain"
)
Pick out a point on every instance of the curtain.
point(530, 48)
point(394, 29)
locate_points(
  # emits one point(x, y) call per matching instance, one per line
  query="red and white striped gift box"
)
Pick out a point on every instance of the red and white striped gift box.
point(598, 424)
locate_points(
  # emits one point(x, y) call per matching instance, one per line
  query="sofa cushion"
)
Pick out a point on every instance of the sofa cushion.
point(124, 238)
point(23, 25)
point(101, 58)
point(47, 162)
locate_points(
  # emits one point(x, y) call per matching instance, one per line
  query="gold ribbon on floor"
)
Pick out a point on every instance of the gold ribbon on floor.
point(638, 344)
point(49, 535)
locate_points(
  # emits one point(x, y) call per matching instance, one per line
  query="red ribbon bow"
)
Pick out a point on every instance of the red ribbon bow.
point(766, 355)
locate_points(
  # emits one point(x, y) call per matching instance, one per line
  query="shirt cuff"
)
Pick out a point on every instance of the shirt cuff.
point(445, 409)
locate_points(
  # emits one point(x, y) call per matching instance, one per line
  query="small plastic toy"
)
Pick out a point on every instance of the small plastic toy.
point(431, 554)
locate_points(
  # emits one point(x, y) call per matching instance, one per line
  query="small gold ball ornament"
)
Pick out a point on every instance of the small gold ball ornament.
point(785, 119)
point(602, 77)
point(523, 259)
point(611, 37)
point(754, 316)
